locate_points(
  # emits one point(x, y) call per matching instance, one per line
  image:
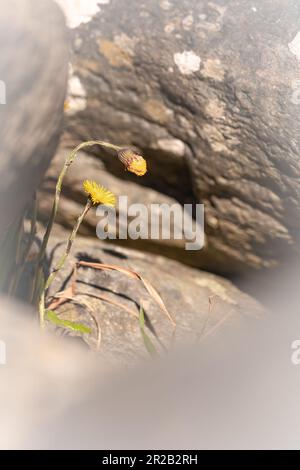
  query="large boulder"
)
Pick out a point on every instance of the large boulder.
point(208, 90)
point(108, 301)
point(33, 74)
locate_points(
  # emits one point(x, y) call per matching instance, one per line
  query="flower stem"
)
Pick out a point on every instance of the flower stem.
point(69, 160)
point(61, 262)
point(69, 244)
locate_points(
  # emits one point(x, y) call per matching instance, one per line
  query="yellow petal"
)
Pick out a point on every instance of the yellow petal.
point(98, 194)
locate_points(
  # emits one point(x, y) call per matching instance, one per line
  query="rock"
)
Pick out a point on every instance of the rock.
point(199, 302)
point(72, 198)
point(208, 91)
point(42, 374)
point(242, 375)
point(33, 73)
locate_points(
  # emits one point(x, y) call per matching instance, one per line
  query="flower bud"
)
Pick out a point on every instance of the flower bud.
point(132, 161)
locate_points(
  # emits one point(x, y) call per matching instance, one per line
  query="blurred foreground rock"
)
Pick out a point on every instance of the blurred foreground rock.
point(208, 90)
point(41, 375)
point(54, 395)
point(33, 74)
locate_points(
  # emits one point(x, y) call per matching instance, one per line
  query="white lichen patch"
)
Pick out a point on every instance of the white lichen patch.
point(294, 46)
point(169, 28)
point(187, 61)
point(165, 4)
point(76, 97)
point(187, 22)
point(80, 11)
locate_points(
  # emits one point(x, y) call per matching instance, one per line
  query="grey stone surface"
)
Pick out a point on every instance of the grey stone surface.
point(73, 197)
point(186, 292)
point(207, 91)
point(33, 69)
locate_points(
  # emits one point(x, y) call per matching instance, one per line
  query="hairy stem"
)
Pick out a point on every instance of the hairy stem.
point(61, 261)
point(71, 239)
point(69, 160)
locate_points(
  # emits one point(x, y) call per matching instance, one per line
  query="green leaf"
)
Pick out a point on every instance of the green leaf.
point(53, 318)
point(142, 318)
point(147, 341)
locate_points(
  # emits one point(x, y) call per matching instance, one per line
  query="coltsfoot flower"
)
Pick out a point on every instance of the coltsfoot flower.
point(132, 161)
point(98, 194)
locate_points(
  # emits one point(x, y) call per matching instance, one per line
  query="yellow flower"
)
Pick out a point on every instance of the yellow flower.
point(98, 194)
point(132, 161)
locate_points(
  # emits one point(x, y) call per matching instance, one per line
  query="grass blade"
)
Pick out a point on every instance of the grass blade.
point(79, 327)
point(147, 341)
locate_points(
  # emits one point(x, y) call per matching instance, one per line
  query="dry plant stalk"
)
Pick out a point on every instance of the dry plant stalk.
point(134, 275)
point(62, 260)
